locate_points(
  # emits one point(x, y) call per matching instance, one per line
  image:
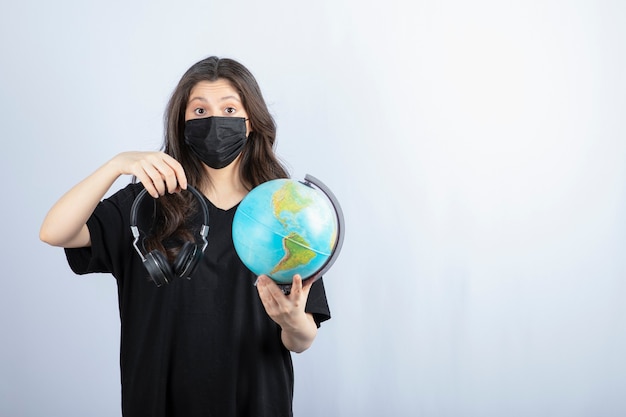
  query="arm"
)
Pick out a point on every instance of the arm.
point(298, 329)
point(65, 223)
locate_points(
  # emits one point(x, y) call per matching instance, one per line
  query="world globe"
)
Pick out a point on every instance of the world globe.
point(285, 227)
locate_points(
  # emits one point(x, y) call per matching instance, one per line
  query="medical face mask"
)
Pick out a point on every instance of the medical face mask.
point(217, 141)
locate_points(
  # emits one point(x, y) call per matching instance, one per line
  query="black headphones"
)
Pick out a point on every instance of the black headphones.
point(159, 269)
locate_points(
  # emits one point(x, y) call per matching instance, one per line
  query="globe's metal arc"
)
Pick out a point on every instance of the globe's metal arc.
point(341, 225)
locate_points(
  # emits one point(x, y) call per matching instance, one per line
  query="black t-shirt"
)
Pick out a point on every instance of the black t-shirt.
point(200, 347)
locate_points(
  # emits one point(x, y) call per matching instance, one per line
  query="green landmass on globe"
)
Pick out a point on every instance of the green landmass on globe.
point(287, 199)
point(296, 253)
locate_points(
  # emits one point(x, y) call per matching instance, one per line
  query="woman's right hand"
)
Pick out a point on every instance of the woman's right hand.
point(158, 172)
point(65, 223)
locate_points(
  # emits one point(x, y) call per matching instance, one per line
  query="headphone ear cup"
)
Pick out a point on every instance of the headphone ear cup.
point(158, 268)
point(187, 260)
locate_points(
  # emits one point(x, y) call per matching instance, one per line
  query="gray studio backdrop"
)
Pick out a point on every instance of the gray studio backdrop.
point(478, 150)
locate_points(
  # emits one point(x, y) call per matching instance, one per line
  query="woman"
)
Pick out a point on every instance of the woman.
point(215, 344)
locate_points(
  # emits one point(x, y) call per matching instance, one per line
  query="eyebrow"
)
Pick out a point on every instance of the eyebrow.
point(230, 98)
point(221, 99)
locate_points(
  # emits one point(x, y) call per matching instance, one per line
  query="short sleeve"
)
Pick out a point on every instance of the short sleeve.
point(317, 304)
point(111, 239)
point(93, 258)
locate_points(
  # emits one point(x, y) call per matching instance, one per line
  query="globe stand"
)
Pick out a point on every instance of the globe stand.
point(311, 181)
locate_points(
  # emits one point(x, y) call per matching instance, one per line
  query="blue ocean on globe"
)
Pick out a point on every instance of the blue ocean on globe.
point(284, 227)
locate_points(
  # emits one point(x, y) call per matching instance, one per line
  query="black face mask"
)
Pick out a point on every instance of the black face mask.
point(217, 141)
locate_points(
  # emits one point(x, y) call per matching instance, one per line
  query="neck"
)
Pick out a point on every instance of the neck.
point(225, 188)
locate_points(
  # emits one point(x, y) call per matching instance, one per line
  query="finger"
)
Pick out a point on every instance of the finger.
point(155, 176)
point(168, 176)
point(147, 183)
point(262, 279)
point(175, 171)
point(265, 293)
point(296, 284)
point(166, 166)
point(274, 289)
point(301, 287)
point(178, 179)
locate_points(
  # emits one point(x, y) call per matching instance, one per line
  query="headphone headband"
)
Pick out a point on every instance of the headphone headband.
point(135, 207)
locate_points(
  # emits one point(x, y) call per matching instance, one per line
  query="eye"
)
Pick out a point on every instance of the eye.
point(199, 111)
point(230, 110)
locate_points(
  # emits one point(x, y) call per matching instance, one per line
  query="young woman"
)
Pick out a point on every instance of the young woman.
point(214, 344)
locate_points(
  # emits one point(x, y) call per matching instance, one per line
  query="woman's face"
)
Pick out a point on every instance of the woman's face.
point(215, 98)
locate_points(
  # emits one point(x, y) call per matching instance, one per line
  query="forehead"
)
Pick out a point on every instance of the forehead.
point(219, 89)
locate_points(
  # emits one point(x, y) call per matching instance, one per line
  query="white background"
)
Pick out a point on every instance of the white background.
point(478, 150)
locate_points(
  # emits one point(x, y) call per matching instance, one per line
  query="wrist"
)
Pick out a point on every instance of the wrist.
point(298, 336)
point(114, 166)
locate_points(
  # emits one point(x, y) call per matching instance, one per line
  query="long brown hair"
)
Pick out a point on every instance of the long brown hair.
point(258, 162)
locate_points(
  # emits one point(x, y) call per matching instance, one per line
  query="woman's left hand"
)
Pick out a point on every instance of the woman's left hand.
point(298, 327)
